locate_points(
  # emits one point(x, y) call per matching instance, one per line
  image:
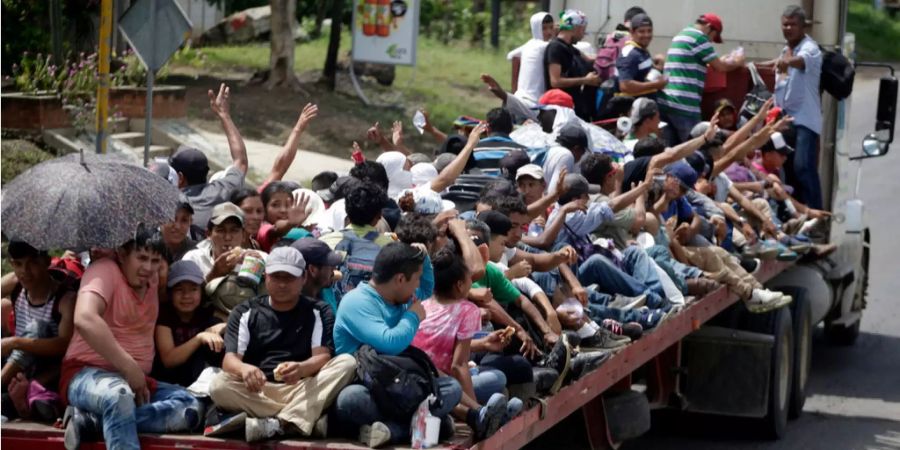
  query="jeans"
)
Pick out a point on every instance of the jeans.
point(487, 382)
point(26, 361)
point(806, 168)
point(355, 407)
point(598, 311)
point(678, 128)
point(639, 276)
point(171, 408)
point(516, 368)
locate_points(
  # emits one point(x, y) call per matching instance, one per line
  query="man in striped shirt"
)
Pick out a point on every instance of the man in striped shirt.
point(686, 62)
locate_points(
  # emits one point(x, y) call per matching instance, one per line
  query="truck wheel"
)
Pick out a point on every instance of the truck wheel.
point(775, 422)
point(627, 415)
point(842, 335)
point(803, 330)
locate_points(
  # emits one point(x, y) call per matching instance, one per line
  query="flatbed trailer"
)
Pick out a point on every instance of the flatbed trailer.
point(657, 355)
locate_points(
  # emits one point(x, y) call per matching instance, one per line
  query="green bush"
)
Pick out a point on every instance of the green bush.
point(877, 34)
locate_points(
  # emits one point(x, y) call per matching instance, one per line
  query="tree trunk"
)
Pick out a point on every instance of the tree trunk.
point(321, 10)
point(281, 57)
point(334, 43)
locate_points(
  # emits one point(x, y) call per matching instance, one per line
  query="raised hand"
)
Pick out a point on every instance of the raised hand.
point(218, 103)
point(298, 212)
point(310, 111)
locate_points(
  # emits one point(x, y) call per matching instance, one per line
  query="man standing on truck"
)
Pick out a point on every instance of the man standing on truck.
point(685, 68)
point(797, 73)
point(566, 68)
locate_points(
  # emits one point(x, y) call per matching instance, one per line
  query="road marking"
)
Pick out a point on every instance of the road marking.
point(853, 407)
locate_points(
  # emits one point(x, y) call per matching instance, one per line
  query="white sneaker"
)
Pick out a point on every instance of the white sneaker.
point(375, 435)
point(261, 429)
point(763, 300)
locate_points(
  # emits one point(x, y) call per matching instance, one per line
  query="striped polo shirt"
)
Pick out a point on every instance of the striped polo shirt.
point(686, 63)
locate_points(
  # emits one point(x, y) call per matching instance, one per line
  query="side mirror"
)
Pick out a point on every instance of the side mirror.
point(878, 143)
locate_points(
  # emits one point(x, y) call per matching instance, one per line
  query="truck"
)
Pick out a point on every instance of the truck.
point(713, 357)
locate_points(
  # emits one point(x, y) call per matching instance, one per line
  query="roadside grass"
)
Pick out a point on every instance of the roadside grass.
point(877, 34)
point(446, 79)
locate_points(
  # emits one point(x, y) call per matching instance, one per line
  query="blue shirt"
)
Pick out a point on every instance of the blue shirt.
point(634, 64)
point(680, 208)
point(364, 317)
point(798, 92)
point(582, 224)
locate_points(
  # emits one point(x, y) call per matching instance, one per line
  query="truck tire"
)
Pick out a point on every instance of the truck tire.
point(803, 331)
point(627, 415)
point(775, 422)
point(847, 335)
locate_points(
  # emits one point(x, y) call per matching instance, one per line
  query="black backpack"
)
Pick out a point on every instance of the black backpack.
point(398, 384)
point(837, 74)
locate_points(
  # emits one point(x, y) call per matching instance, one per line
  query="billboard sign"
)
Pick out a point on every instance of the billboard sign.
point(385, 31)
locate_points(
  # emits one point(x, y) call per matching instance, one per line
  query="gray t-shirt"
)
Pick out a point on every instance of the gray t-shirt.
point(618, 229)
point(203, 197)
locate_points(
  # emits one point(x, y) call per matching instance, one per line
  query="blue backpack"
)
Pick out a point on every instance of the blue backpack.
point(361, 253)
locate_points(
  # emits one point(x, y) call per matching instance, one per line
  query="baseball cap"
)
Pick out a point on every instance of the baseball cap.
point(723, 104)
point(497, 222)
point(184, 270)
point(428, 202)
point(555, 97)
point(317, 253)
point(224, 211)
point(576, 185)
point(512, 161)
point(530, 170)
point(466, 122)
point(571, 135)
point(191, 162)
point(643, 108)
point(714, 22)
point(571, 18)
point(776, 143)
point(640, 20)
point(285, 259)
point(684, 173)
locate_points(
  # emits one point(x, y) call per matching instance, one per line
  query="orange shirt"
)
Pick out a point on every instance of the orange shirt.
point(131, 320)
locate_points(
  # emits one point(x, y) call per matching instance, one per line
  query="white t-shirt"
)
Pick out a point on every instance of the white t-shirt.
point(531, 71)
point(558, 157)
point(723, 184)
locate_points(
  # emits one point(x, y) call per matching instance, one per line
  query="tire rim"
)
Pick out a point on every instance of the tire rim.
point(784, 372)
point(804, 353)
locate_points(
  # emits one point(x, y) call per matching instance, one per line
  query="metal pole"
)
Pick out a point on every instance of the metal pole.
point(495, 23)
point(56, 31)
point(103, 82)
point(151, 72)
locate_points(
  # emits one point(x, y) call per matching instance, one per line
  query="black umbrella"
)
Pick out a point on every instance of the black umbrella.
point(82, 201)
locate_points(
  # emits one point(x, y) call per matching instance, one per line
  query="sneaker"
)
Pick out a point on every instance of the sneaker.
point(375, 435)
point(765, 250)
point(649, 318)
point(226, 426)
point(490, 417)
point(260, 429)
point(558, 359)
point(785, 254)
point(799, 244)
point(751, 265)
point(605, 339)
point(585, 362)
point(448, 428)
point(80, 427)
point(625, 302)
point(514, 407)
point(214, 416)
point(544, 378)
point(763, 300)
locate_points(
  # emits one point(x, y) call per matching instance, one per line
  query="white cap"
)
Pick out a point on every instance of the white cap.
point(285, 259)
point(530, 170)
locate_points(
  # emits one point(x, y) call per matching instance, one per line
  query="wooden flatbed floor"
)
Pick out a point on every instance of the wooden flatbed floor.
point(658, 349)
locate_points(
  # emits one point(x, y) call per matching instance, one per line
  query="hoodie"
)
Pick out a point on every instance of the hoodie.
point(531, 70)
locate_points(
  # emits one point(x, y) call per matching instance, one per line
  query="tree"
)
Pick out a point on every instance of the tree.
point(281, 44)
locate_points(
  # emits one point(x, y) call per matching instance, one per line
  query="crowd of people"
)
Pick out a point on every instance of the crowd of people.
point(484, 282)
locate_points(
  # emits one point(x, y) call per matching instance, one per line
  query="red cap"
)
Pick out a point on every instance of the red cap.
point(714, 22)
point(557, 97)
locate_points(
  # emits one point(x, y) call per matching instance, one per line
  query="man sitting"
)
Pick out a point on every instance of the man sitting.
point(105, 369)
point(385, 315)
point(278, 365)
point(43, 302)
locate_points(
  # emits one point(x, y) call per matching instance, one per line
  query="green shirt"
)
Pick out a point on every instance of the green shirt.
point(686, 63)
point(502, 289)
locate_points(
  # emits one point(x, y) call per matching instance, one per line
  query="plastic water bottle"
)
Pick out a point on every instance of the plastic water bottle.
point(535, 230)
point(419, 121)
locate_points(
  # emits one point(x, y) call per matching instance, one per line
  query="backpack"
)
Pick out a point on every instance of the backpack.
point(226, 292)
point(837, 74)
point(605, 62)
point(361, 253)
point(398, 384)
point(757, 95)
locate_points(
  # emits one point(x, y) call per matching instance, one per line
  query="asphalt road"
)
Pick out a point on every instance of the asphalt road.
point(853, 396)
